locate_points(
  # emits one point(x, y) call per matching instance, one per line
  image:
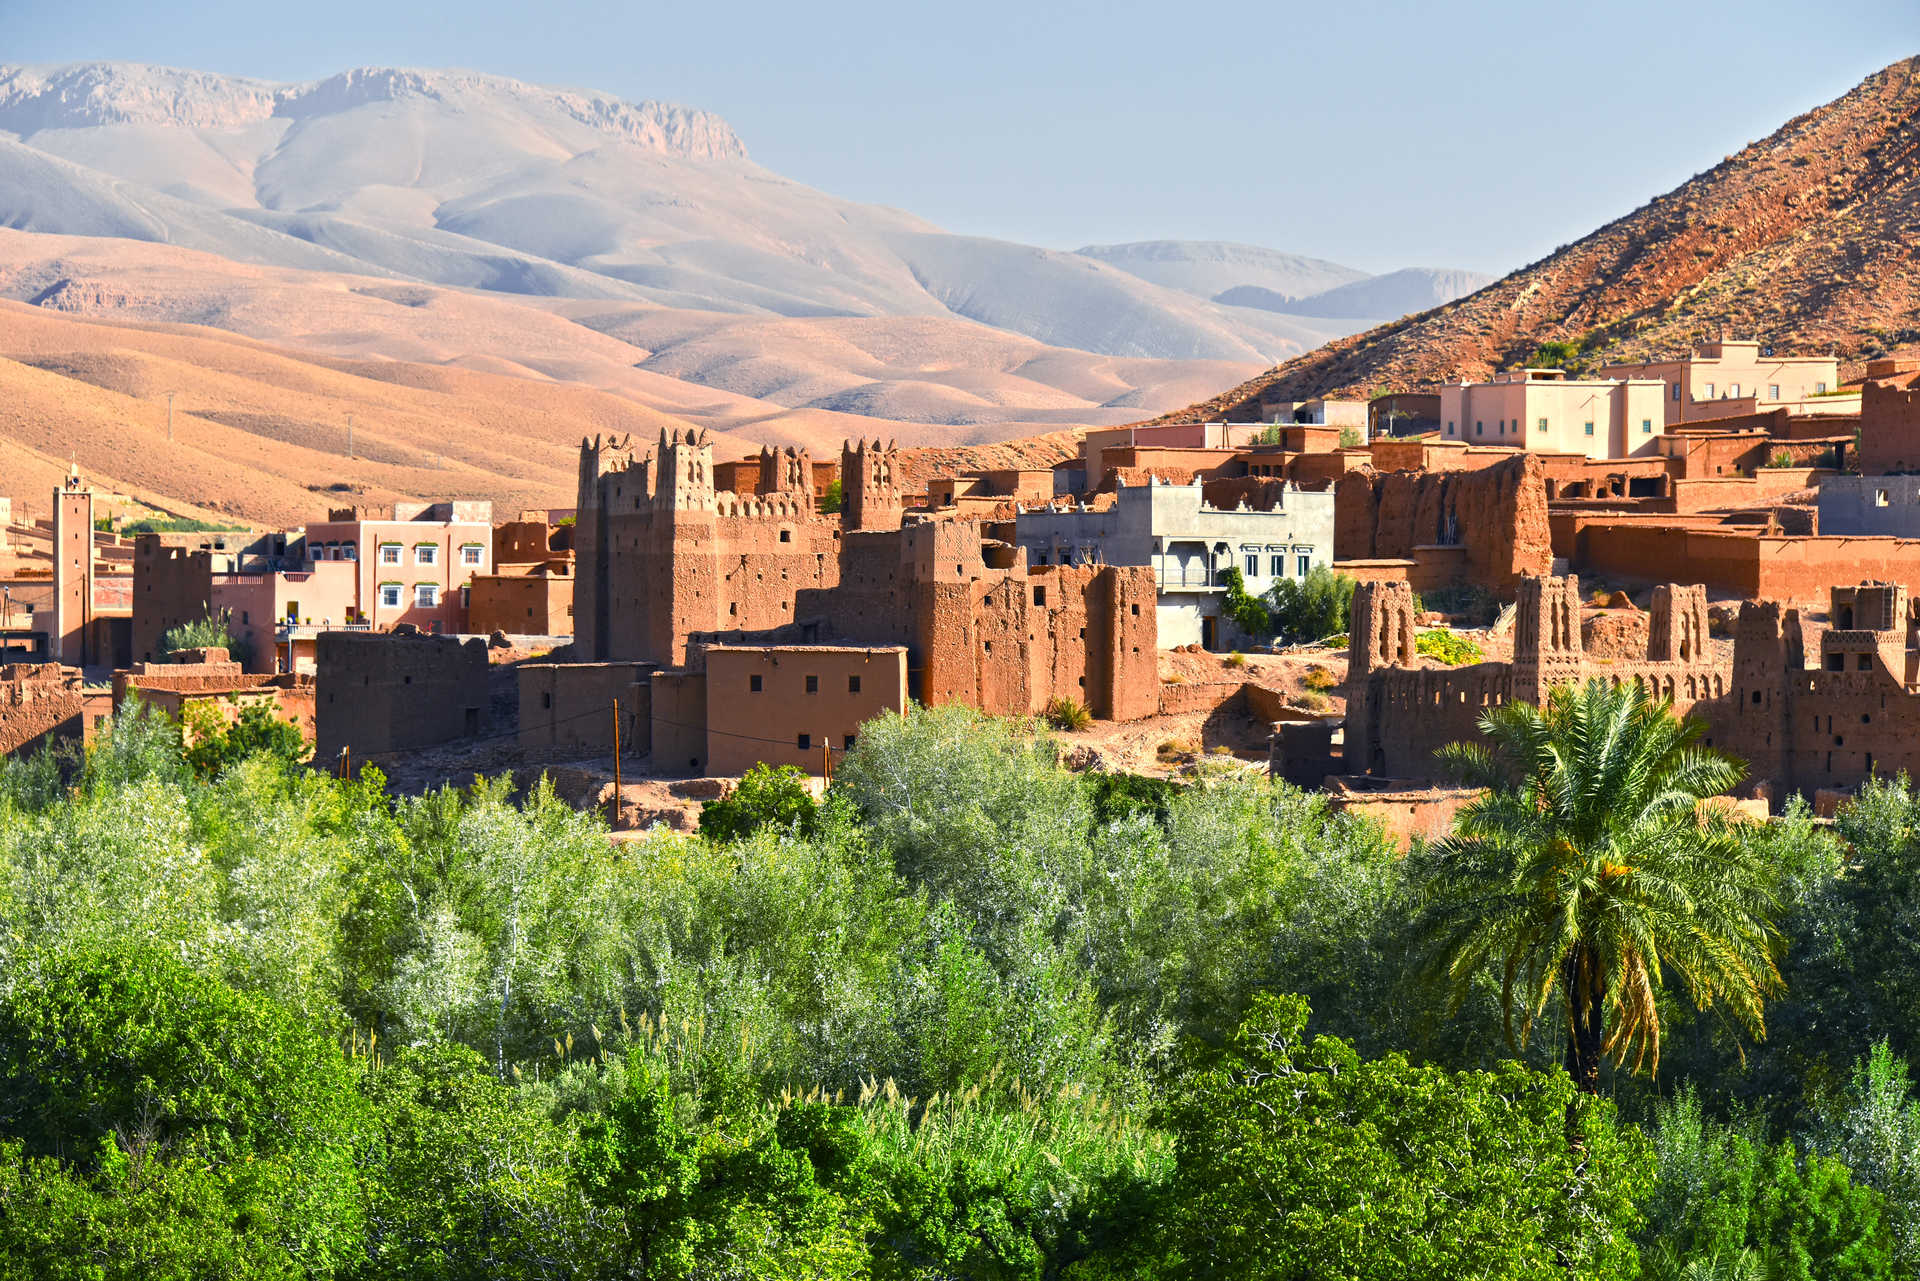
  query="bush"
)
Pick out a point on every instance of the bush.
point(1248, 613)
point(766, 796)
point(1309, 608)
point(1235, 659)
point(1319, 679)
point(215, 631)
point(1350, 438)
point(213, 745)
point(1780, 460)
point(1452, 649)
point(1068, 715)
point(833, 501)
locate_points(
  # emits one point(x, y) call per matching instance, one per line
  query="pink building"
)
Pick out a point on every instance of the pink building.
point(411, 566)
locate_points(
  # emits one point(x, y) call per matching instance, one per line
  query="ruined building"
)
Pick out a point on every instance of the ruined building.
point(1399, 713)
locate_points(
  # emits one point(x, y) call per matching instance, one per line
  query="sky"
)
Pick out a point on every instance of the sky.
point(1378, 135)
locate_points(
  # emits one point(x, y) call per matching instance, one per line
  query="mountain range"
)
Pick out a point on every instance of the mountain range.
point(1804, 240)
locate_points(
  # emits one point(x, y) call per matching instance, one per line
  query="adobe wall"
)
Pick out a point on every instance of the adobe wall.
point(1889, 429)
point(395, 691)
point(808, 700)
point(570, 706)
point(1499, 514)
point(171, 585)
point(39, 703)
point(678, 707)
point(529, 604)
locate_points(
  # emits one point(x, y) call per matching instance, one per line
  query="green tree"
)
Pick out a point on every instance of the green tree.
point(1248, 613)
point(767, 795)
point(215, 745)
point(833, 500)
point(1310, 608)
point(1589, 868)
point(123, 1062)
point(1299, 1159)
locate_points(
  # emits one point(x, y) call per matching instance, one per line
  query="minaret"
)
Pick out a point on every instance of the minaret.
point(869, 494)
point(72, 572)
point(1546, 636)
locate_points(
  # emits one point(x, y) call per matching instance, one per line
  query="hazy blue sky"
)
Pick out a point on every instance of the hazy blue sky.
point(1376, 134)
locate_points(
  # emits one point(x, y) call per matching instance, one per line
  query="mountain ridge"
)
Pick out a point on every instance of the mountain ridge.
point(1802, 240)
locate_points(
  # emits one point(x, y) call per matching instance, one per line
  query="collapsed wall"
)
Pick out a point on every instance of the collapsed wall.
point(1497, 515)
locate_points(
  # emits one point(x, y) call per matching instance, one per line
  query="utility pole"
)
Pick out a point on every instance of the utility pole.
point(826, 758)
point(616, 765)
point(170, 396)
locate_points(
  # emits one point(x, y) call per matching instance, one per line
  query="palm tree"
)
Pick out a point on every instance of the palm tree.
point(1589, 867)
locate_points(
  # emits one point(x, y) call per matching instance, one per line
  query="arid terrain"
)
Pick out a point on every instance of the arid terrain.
point(1803, 240)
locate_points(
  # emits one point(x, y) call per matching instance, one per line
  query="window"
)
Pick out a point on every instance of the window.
point(1819, 389)
point(390, 595)
point(1253, 564)
point(1305, 563)
point(813, 684)
point(846, 743)
point(753, 685)
point(426, 595)
point(1646, 426)
point(1773, 391)
point(1449, 426)
point(786, 535)
point(426, 554)
point(1479, 428)
point(1733, 390)
point(853, 684)
point(1676, 391)
point(1543, 424)
point(1864, 662)
point(1879, 498)
point(389, 553)
point(1588, 428)
point(349, 552)
point(1039, 595)
point(1277, 566)
point(473, 554)
point(1709, 395)
point(804, 742)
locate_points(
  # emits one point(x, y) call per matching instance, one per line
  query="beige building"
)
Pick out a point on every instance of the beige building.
point(1546, 411)
point(1724, 379)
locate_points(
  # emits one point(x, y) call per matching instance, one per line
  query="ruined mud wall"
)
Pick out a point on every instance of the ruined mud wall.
point(1498, 514)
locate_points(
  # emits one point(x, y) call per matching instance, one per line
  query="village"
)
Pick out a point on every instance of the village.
point(1731, 528)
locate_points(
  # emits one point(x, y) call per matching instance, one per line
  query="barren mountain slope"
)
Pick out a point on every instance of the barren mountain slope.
point(1805, 240)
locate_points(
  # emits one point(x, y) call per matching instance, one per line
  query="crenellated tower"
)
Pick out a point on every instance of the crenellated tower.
point(787, 471)
point(1677, 625)
point(600, 458)
point(1546, 636)
point(683, 467)
point(869, 490)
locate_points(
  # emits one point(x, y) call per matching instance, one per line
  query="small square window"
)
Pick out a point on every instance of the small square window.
point(1646, 426)
point(753, 685)
point(1773, 391)
point(390, 553)
point(786, 535)
point(1676, 391)
point(1819, 389)
point(1039, 595)
point(847, 742)
point(813, 684)
point(1479, 428)
point(1588, 428)
point(390, 595)
point(1253, 565)
point(1864, 662)
point(853, 684)
point(1543, 424)
point(426, 554)
point(1879, 498)
point(473, 554)
point(804, 742)
point(426, 596)
point(1277, 566)
point(1305, 563)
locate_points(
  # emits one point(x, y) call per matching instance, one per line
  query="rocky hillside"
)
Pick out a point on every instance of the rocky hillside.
point(1804, 240)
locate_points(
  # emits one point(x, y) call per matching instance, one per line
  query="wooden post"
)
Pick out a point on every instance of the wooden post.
point(345, 769)
point(826, 758)
point(616, 764)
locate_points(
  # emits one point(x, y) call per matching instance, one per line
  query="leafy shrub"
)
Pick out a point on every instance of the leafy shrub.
point(1068, 715)
point(1120, 796)
point(1249, 614)
point(1350, 438)
point(1319, 679)
point(766, 796)
point(1309, 608)
point(1235, 659)
point(214, 631)
point(1449, 647)
point(834, 500)
point(213, 745)
point(1779, 460)
point(1311, 700)
point(176, 525)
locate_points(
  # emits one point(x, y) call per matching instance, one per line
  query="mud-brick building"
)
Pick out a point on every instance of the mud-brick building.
point(381, 692)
